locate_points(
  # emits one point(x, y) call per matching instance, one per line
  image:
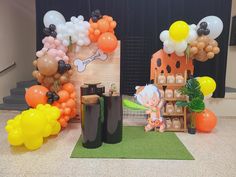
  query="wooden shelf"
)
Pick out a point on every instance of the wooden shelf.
point(173, 115)
point(175, 99)
point(171, 85)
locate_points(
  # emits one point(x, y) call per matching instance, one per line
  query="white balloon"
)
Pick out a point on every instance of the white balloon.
point(53, 17)
point(214, 24)
point(169, 43)
point(65, 42)
point(180, 46)
point(80, 18)
point(80, 42)
point(180, 54)
point(164, 35)
point(168, 50)
point(192, 36)
point(193, 26)
point(73, 18)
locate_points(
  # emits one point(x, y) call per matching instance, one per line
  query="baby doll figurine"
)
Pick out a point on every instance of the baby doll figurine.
point(150, 97)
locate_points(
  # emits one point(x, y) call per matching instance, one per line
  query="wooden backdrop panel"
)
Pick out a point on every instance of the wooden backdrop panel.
point(105, 72)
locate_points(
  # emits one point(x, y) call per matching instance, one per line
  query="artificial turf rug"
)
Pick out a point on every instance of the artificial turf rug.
point(137, 144)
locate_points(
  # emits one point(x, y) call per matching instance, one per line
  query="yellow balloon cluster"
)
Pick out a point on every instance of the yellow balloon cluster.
point(179, 31)
point(207, 84)
point(31, 126)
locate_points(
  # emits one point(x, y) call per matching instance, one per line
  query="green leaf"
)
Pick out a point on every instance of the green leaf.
point(132, 105)
point(182, 103)
point(196, 105)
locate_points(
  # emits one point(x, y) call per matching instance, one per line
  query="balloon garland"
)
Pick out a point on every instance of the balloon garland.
point(193, 41)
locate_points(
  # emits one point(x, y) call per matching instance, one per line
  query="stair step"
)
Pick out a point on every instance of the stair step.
point(16, 99)
point(18, 107)
point(18, 91)
point(26, 84)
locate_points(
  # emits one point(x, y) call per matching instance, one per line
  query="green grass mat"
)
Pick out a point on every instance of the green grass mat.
point(137, 144)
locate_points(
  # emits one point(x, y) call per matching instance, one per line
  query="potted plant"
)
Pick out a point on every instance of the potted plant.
point(194, 103)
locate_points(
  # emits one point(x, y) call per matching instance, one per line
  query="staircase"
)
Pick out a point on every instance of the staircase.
point(16, 101)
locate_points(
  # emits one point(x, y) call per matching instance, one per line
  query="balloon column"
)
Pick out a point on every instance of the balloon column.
point(206, 120)
point(195, 41)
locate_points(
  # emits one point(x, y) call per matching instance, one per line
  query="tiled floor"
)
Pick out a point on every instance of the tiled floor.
point(215, 156)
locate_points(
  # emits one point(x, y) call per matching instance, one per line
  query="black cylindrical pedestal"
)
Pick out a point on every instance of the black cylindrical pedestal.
point(91, 126)
point(113, 121)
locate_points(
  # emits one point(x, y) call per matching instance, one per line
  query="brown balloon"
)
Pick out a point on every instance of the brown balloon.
point(47, 65)
point(201, 56)
point(200, 45)
point(208, 48)
point(35, 63)
point(57, 76)
point(193, 43)
point(70, 72)
point(63, 79)
point(213, 43)
point(48, 80)
point(210, 55)
point(216, 50)
point(35, 73)
point(40, 77)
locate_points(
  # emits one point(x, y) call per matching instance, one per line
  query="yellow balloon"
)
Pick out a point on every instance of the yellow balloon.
point(34, 143)
point(179, 31)
point(207, 84)
point(15, 138)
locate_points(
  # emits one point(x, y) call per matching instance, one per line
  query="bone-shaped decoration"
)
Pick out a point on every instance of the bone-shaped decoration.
point(81, 64)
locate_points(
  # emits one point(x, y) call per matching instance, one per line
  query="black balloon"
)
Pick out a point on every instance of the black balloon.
point(206, 31)
point(52, 27)
point(52, 96)
point(96, 15)
point(50, 101)
point(49, 94)
point(53, 34)
point(46, 31)
point(203, 25)
point(200, 31)
point(63, 67)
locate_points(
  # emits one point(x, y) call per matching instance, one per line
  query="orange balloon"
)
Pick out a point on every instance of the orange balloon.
point(93, 38)
point(73, 95)
point(64, 95)
point(206, 121)
point(66, 118)
point(63, 122)
point(70, 103)
point(67, 111)
point(96, 32)
point(107, 42)
point(36, 95)
point(73, 112)
point(69, 87)
point(55, 103)
point(113, 24)
point(103, 25)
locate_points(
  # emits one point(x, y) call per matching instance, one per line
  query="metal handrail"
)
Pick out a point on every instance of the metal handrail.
point(8, 67)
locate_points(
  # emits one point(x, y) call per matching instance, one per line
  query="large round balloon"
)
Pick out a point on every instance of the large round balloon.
point(47, 65)
point(205, 121)
point(36, 95)
point(53, 17)
point(214, 24)
point(179, 31)
point(207, 84)
point(107, 42)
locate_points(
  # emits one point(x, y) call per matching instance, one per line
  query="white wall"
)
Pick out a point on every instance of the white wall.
point(17, 42)
point(231, 61)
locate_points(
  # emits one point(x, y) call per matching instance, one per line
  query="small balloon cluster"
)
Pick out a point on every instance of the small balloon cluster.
point(52, 96)
point(203, 48)
point(102, 31)
point(66, 103)
point(31, 126)
point(50, 31)
point(194, 41)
